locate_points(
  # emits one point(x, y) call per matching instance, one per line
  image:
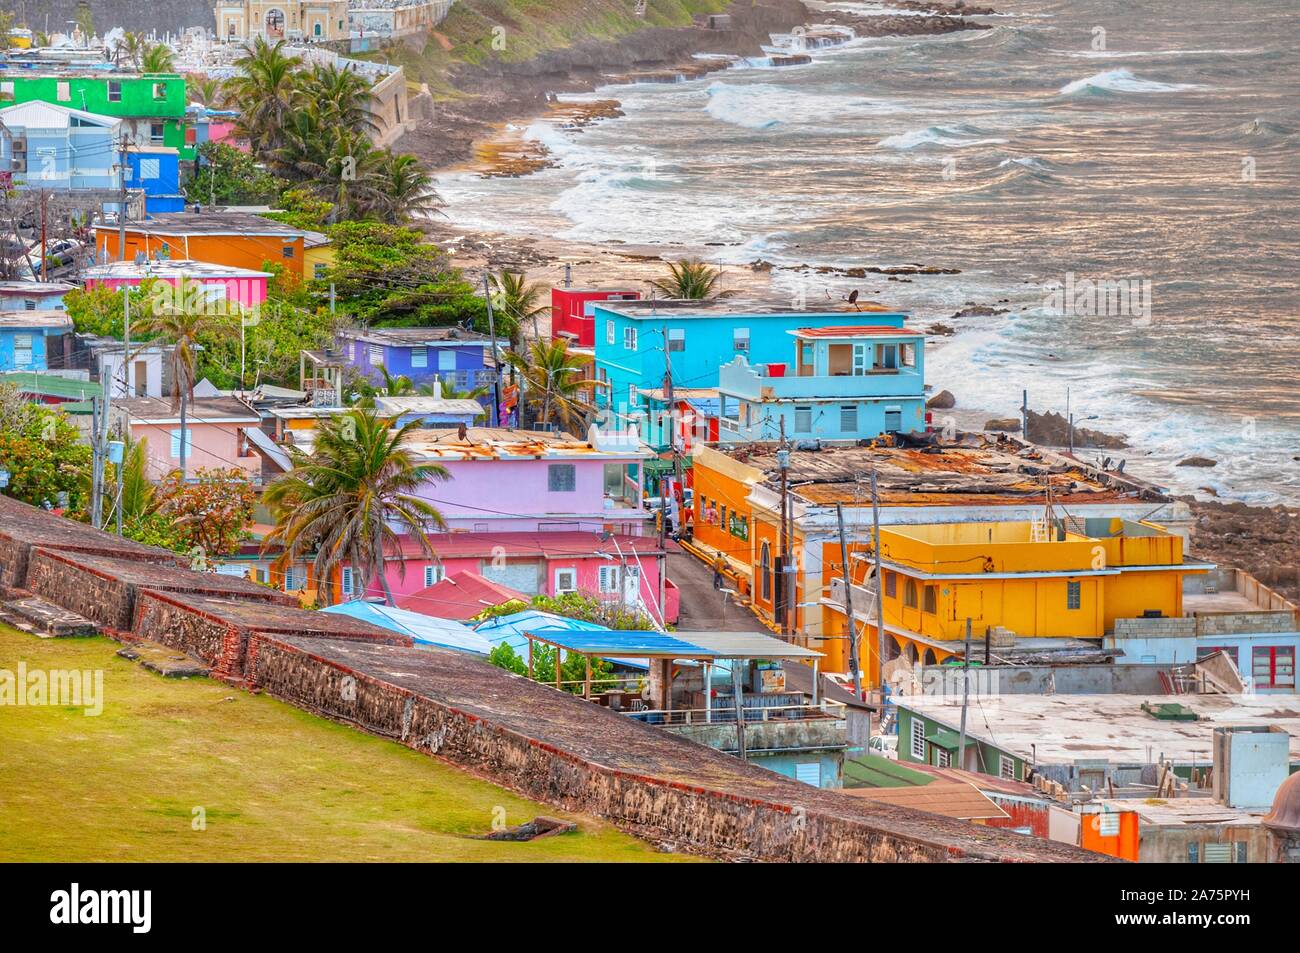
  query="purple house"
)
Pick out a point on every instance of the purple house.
point(460, 359)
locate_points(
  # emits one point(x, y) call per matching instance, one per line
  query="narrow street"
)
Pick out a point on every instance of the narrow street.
point(703, 607)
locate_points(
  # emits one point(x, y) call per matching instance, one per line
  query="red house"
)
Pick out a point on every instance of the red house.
point(570, 318)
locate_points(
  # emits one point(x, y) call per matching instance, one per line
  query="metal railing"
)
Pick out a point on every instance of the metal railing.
point(724, 714)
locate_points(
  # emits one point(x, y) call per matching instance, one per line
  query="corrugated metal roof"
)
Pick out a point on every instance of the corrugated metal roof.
point(948, 798)
point(862, 330)
point(40, 115)
point(683, 645)
point(424, 629)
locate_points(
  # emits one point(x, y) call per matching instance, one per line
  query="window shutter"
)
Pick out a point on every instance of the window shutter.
point(419, 357)
point(809, 773)
point(346, 585)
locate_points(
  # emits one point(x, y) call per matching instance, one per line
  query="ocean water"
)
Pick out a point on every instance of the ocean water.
point(1152, 143)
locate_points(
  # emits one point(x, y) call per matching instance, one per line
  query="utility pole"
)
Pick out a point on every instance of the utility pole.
point(848, 605)
point(783, 541)
point(121, 208)
point(96, 464)
point(880, 588)
point(44, 261)
point(126, 389)
point(496, 361)
point(965, 694)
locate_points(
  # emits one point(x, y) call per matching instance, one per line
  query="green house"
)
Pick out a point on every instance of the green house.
point(924, 739)
point(153, 104)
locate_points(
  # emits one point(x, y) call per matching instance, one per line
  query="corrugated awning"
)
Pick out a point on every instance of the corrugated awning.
point(679, 645)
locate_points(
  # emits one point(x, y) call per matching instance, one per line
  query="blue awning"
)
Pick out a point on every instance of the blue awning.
point(424, 629)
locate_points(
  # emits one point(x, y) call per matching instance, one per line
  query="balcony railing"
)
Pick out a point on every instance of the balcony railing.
point(724, 714)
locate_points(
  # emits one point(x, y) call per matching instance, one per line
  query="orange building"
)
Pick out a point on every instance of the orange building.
point(234, 239)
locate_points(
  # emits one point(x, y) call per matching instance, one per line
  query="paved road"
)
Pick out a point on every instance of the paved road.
point(703, 607)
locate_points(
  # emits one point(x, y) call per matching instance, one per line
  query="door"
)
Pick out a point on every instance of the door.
point(141, 388)
point(632, 586)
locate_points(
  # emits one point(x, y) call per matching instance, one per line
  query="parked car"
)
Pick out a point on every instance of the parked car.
point(884, 745)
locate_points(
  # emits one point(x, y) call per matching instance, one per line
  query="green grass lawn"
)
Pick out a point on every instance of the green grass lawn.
point(274, 782)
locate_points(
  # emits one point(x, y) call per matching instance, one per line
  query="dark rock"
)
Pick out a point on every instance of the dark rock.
point(1004, 424)
point(1197, 462)
point(942, 400)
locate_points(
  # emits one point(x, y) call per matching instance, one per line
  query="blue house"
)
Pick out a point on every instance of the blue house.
point(45, 146)
point(157, 171)
point(21, 295)
point(839, 383)
point(636, 339)
point(461, 359)
point(27, 339)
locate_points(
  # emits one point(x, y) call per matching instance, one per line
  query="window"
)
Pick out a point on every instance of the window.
point(1204, 651)
point(803, 420)
point(562, 477)
point(809, 773)
point(631, 395)
point(931, 600)
point(1219, 853)
point(377, 354)
point(1193, 853)
point(22, 350)
point(287, 251)
point(316, 29)
point(150, 168)
point(432, 574)
point(765, 568)
point(609, 581)
point(114, 90)
point(156, 131)
point(419, 357)
point(676, 339)
point(942, 758)
point(849, 418)
point(63, 91)
point(1273, 666)
point(319, 270)
point(740, 339)
point(1007, 767)
point(176, 444)
point(346, 580)
point(159, 90)
point(918, 739)
point(893, 419)
point(29, 304)
point(446, 359)
point(891, 584)
point(293, 580)
point(609, 331)
point(629, 338)
point(566, 580)
point(739, 526)
point(909, 594)
point(1108, 824)
point(861, 361)
point(1073, 595)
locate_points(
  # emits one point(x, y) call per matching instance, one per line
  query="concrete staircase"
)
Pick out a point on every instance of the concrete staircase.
point(33, 614)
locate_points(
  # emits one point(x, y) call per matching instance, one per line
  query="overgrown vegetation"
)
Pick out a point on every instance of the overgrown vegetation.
point(573, 668)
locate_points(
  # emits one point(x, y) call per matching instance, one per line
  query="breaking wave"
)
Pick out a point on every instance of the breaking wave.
point(1119, 81)
point(946, 137)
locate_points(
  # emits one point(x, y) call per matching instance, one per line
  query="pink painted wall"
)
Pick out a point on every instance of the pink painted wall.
point(211, 445)
point(247, 292)
point(588, 577)
point(513, 495)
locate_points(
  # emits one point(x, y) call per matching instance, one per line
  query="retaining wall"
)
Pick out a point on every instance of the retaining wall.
point(104, 590)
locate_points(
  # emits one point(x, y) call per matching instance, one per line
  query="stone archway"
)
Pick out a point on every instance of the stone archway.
point(274, 24)
point(930, 658)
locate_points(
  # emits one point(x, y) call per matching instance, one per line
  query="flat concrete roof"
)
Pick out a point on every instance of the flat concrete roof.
point(1063, 729)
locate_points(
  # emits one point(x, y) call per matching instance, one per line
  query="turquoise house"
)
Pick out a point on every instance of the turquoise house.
point(636, 340)
point(834, 383)
point(28, 337)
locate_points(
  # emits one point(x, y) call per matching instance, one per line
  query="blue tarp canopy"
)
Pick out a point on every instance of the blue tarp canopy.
point(425, 630)
point(510, 629)
point(702, 646)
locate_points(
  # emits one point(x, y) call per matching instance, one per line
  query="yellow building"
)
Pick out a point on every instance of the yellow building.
point(241, 21)
point(1047, 578)
point(317, 255)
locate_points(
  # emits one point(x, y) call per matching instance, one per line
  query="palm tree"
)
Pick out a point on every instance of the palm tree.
point(343, 96)
point(181, 326)
point(206, 90)
point(406, 188)
point(158, 59)
point(344, 500)
point(554, 383)
point(131, 49)
point(265, 88)
point(516, 302)
point(338, 165)
point(693, 279)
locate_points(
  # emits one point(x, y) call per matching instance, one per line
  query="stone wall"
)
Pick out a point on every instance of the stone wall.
point(1176, 628)
point(1243, 623)
point(104, 590)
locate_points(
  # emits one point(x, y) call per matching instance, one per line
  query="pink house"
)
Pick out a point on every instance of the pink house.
point(611, 567)
point(512, 481)
point(218, 284)
point(215, 434)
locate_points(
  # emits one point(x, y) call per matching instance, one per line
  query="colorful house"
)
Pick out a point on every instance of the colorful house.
point(841, 383)
point(1048, 578)
point(461, 596)
point(502, 481)
point(318, 255)
point(156, 171)
point(238, 240)
point(220, 283)
point(572, 316)
point(33, 295)
point(150, 105)
point(611, 568)
point(458, 358)
point(50, 389)
point(28, 339)
point(637, 340)
point(214, 434)
point(47, 146)
point(429, 411)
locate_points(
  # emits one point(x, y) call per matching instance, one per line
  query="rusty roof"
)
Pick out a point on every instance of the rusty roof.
point(969, 471)
point(853, 331)
point(958, 799)
point(495, 443)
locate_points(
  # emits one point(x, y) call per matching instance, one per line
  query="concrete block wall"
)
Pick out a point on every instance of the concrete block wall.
point(1243, 623)
point(1177, 628)
point(104, 590)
